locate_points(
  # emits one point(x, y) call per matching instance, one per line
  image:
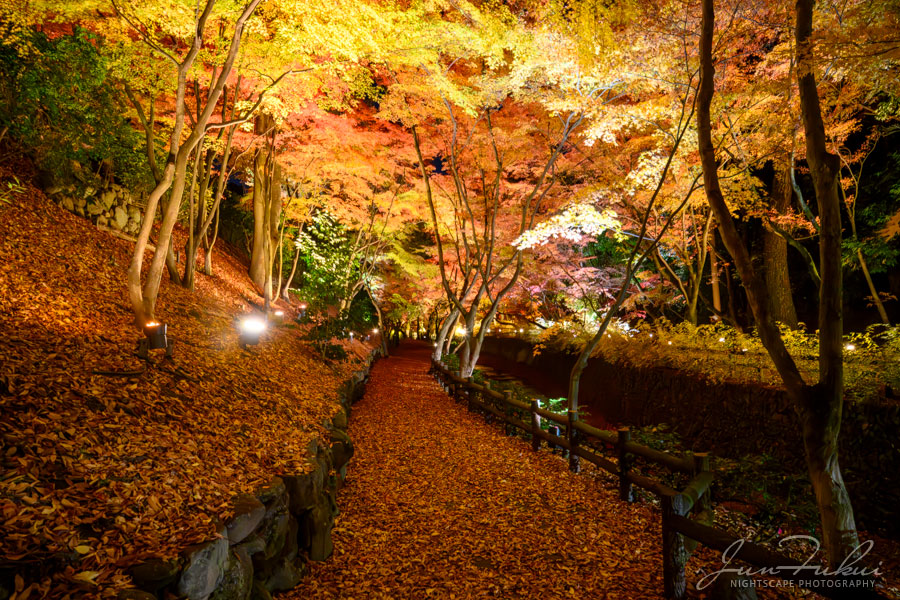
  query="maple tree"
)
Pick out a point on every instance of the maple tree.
point(439, 168)
point(819, 407)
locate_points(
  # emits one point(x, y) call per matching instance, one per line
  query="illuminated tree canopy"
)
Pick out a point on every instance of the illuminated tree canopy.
point(571, 172)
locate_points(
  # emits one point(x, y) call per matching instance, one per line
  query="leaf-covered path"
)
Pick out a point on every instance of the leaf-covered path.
point(440, 504)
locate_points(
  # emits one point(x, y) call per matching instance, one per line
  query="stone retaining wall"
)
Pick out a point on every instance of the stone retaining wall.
point(113, 206)
point(265, 546)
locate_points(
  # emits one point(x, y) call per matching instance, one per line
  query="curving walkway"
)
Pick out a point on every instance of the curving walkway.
point(439, 504)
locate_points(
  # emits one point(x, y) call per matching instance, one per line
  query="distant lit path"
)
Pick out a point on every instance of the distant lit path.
point(439, 504)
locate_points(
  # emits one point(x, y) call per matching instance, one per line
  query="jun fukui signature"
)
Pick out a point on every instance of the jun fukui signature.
point(850, 566)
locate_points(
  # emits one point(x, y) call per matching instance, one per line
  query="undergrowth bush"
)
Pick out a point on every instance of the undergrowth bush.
point(723, 353)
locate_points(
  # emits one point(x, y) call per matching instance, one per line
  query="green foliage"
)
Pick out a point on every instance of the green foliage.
point(451, 361)
point(355, 322)
point(58, 104)
point(10, 190)
point(403, 309)
point(881, 192)
point(325, 246)
point(322, 336)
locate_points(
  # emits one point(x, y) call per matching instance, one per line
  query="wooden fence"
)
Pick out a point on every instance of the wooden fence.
point(687, 515)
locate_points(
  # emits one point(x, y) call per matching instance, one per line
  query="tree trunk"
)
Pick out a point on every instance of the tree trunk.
point(818, 407)
point(448, 324)
point(196, 232)
point(207, 263)
point(775, 260)
point(876, 299)
point(135, 291)
point(822, 412)
point(714, 274)
point(172, 264)
point(290, 279)
point(273, 205)
point(258, 254)
point(170, 217)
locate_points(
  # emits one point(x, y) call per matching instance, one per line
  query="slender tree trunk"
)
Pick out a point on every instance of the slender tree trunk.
point(290, 279)
point(207, 263)
point(192, 243)
point(732, 296)
point(272, 219)
point(876, 299)
point(818, 407)
point(775, 259)
point(196, 231)
point(172, 263)
point(135, 288)
point(823, 408)
point(714, 274)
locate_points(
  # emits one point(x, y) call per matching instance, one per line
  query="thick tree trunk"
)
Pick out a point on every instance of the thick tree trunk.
point(778, 282)
point(135, 288)
point(258, 254)
point(170, 217)
point(442, 336)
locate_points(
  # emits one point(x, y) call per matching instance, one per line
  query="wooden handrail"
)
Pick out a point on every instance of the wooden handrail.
point(675, 463)
point(601, 434)
point(680, 533)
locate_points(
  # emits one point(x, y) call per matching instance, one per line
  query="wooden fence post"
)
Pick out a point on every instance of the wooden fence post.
point(702, 464)
point(535, 425)
point(469, 394)
point(455, 386)
point(572, 435)
point(626, 492)
point(507, 410)
point(674, 553)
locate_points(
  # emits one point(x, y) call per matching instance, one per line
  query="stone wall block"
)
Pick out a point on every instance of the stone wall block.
point(237, 580)
point(248, 514)
point(155, 574)
point(304, 489)
point(206, 564)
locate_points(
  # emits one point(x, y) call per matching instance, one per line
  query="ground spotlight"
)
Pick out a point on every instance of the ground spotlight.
point(251, 330)
point(278, 317)
point(154, 339)
point(155, 333)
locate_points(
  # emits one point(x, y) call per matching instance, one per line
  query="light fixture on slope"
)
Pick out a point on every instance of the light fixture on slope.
point(252, 329)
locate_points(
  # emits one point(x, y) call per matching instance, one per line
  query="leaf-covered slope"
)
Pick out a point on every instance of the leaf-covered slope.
point(99, 470)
